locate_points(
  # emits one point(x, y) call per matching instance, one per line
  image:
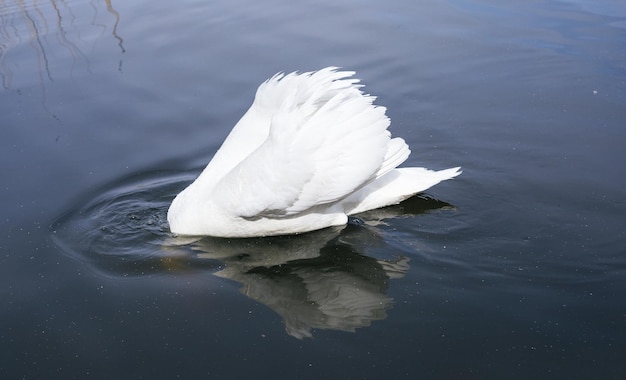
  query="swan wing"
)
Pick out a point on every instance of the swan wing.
point(253, 127)
point(326, 139)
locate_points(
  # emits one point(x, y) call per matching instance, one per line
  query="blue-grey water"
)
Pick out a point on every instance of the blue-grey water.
point(514, 270)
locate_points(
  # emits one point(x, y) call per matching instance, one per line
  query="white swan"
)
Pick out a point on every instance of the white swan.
point(311, 150)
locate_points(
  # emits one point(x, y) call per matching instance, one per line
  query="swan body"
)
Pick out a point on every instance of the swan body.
point(311, 150)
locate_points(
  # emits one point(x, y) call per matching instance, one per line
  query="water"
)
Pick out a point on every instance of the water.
point(515, 269)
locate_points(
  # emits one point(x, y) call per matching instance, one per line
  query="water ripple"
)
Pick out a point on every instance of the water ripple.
point(123, 230)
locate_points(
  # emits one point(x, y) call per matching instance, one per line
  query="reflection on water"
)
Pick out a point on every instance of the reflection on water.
point(117, 21)
point(39, 32)
point(336, 278)
point(324, 279)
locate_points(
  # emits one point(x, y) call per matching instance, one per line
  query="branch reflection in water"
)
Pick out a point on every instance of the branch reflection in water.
point(32, 22)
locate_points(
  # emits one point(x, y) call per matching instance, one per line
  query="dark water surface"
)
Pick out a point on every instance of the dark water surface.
point(515, 269)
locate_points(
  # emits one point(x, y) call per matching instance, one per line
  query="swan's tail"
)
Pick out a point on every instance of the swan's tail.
point(396, 186)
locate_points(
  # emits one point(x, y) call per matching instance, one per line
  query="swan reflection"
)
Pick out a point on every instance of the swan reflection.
point(317, 280)
point(335, 279)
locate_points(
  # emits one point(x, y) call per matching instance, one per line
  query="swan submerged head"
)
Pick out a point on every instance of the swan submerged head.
point(311, 150)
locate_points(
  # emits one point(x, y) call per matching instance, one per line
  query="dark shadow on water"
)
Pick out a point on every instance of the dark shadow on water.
point(335, 278)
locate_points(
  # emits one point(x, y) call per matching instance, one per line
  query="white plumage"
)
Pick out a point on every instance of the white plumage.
point(311, 150)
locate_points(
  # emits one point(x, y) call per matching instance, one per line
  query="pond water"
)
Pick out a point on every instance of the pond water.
point(515, 269)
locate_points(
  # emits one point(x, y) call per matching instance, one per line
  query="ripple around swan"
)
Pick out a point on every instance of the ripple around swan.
point(122, 230)
point(336, 278)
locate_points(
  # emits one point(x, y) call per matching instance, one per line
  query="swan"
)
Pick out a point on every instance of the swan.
point(311, 150)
